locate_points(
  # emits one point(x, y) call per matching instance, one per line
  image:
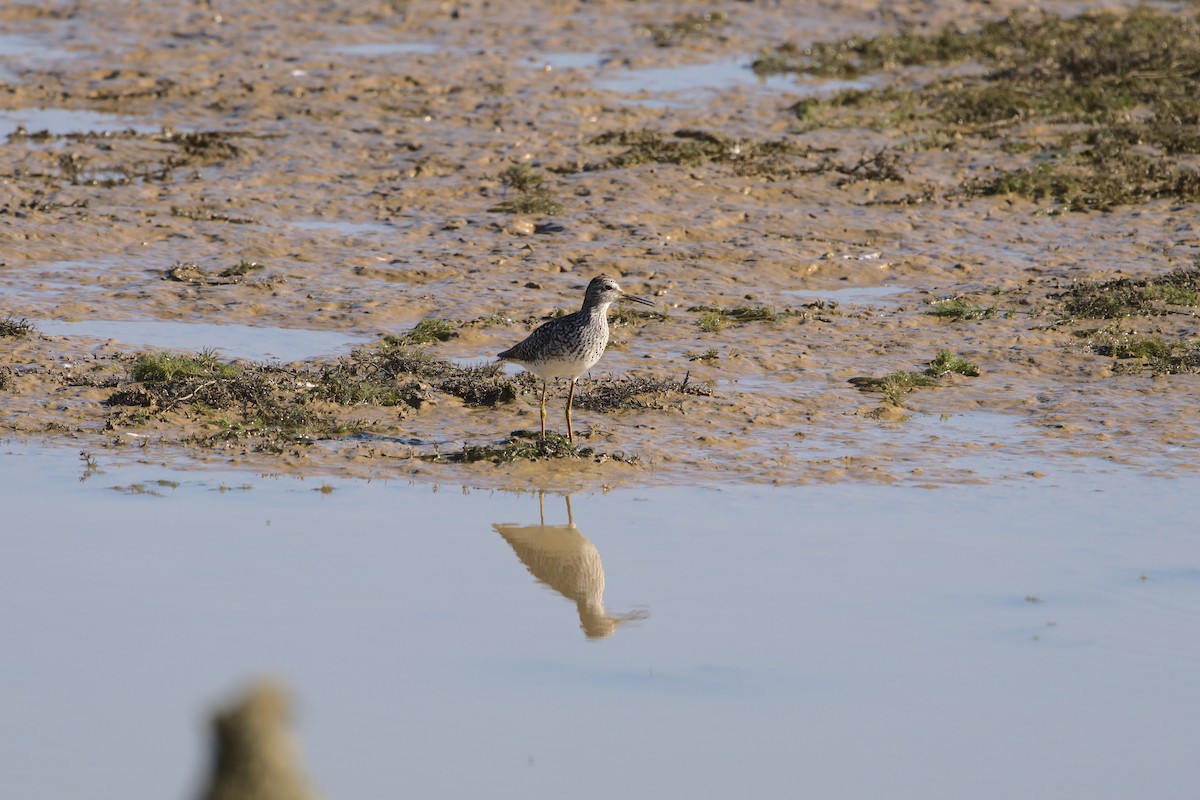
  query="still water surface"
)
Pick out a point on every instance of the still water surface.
point(1020, 639)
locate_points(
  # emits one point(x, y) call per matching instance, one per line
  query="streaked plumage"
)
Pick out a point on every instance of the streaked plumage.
point(569, 346)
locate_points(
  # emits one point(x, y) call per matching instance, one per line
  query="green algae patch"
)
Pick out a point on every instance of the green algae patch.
point(895, 385)
point(1103, 105)
point(429, 331)
point(956, 309)
point(161, 368)
point(714, 318)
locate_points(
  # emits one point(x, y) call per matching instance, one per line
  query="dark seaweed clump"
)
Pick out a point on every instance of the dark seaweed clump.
point(671, 34)
point(17, 328)
point(526, 446)
point(635, 391)
point(1153, 354)
point(270, 404)
point(1127, 297)
point(1159, 304)
point(396, 374)
point(187, 272)
point(274, 407)
point(692, 148)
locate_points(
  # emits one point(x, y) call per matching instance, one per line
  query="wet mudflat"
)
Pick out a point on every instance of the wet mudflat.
point(812, 197)
point(935, 285)
point(988, 641)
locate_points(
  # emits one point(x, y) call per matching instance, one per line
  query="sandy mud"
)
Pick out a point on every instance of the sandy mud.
point(352, 169)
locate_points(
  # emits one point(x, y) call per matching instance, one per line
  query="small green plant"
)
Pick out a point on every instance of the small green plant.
point(429, 331)
point(895, 385)
point(946, 362)
point(531, 198)
point(522, 178)
point(753, 314)
point(957, 309)
point(162, 366)
point(711, 322)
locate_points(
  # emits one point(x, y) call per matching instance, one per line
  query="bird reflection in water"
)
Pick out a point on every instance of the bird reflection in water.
point(562, 558)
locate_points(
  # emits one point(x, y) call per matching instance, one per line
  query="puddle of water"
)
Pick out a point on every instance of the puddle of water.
point(15, 45)
point(853, 295)
point(376, 49)
point(231, 341)
point(987, 446)
point(344, 228)
point(61, 121)
point(567, 60)
point(19, 51)
point(717, 75)
point(892, 636)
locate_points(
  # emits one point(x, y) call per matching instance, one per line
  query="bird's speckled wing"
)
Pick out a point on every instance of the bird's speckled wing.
point(546, 341)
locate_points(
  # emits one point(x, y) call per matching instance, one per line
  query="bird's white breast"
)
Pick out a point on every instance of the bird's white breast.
point(560, 368)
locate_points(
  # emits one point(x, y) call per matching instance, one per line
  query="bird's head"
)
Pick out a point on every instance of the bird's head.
point(603, 291)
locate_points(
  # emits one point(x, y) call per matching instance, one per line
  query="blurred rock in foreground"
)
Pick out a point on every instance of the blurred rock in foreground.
point(254, 756)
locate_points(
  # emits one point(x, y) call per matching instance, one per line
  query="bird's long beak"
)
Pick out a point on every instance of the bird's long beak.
point(633, 299)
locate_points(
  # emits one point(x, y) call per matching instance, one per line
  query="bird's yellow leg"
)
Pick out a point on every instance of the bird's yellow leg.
point(570, 398)
point(545, 388)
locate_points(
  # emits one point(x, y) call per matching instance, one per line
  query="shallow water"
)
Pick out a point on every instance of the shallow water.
point(854, 295)
point(1031, 639)
point(62, 121)
point(724, 74)
point(229, 340)
point(384, 49)
point(685, 77)
point(18, 52)
point(566, 60)
point(343, 227)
